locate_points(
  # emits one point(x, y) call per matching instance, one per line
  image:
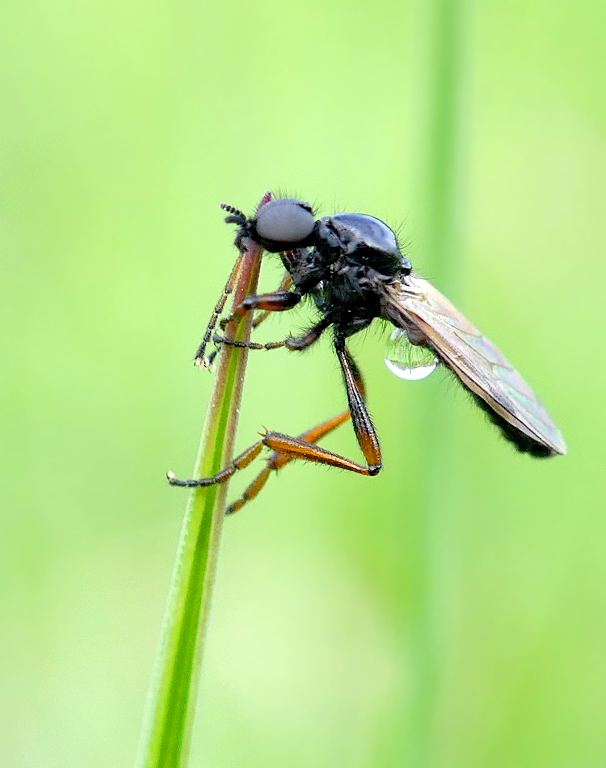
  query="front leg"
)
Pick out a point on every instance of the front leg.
point(280, 301)
point(285, 285)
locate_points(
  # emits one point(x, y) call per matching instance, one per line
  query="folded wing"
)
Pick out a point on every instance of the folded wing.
point(415, 305)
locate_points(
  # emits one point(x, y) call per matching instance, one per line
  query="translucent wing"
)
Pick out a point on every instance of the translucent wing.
point(429, 318)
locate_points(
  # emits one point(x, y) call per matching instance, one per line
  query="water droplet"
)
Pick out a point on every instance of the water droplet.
point(409, 361)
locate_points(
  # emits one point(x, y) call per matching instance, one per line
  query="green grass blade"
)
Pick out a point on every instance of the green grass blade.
point(170, 712)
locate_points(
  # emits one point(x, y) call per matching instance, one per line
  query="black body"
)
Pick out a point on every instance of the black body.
point(343, 263)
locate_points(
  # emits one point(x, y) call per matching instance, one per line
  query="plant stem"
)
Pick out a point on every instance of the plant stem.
point(442, 169)
point(441, 180)
point(170, 711)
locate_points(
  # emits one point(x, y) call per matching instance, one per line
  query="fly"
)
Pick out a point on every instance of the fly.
point(351, 266)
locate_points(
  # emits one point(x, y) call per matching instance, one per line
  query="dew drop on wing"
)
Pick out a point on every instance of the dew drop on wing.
point(411, 362)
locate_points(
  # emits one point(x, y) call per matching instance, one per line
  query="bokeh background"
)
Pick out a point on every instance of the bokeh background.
point(450, 612)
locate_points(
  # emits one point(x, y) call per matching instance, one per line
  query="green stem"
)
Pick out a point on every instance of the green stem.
point(442, 169)
point(167, 727)
point(441, 175)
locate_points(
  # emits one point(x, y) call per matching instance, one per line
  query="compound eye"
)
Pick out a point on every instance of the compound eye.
point(285, 220)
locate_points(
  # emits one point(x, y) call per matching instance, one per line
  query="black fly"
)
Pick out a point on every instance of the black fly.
point(351, 266)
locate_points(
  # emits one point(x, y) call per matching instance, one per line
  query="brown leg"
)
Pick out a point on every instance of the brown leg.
point(296, 448)
point(287, 448)
point(284, 286)
point(279, 460)
point(279, 301)
point(275, 440)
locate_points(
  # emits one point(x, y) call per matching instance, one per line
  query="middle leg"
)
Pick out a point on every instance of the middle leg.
point(292, 342)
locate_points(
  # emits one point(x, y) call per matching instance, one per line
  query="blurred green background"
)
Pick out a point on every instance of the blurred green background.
point(455, 612)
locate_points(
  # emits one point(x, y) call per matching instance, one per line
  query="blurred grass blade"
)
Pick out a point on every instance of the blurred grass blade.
point(441, 175)
point(442, 169)
point(170, 710)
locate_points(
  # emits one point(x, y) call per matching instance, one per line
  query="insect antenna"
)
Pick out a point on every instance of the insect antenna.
point(236, 215)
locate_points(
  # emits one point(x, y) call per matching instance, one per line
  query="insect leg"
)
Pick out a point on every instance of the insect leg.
point(240, 462)
point(294, 448)
point(292, 342)
point(276, 461)
point(280, 301)
point(362, 423)
point(200, 358)
point(279, 460)
point(284, 286)
point(287, 448)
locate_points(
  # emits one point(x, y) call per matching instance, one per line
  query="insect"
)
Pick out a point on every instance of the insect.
point(351, 266)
